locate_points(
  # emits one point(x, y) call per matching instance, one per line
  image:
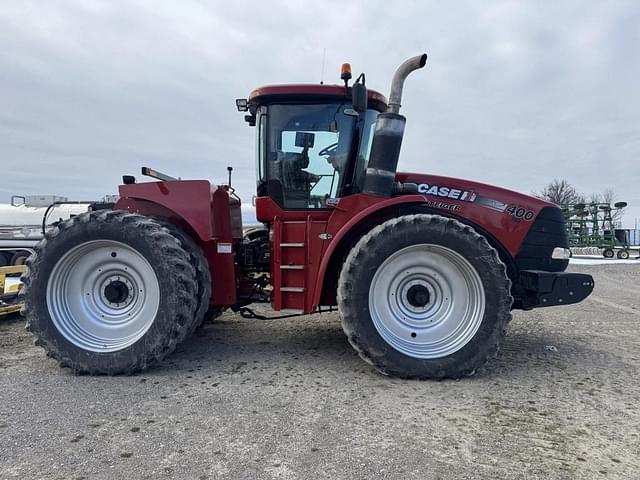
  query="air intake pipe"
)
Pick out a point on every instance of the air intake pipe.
point(387, 139)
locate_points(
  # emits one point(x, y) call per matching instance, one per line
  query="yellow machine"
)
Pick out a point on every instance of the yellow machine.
point(9, 287)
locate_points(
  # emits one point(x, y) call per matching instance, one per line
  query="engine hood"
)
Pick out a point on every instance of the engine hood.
point(503, 213)
point(470, 191)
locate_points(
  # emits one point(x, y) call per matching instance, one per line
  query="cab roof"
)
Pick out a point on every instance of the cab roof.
point(311, 92)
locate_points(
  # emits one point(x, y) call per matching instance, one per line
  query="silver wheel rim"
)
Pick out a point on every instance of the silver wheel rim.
point(426, 301)
point(103, 296)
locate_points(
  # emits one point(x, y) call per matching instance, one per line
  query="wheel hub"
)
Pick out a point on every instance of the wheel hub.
point(103, 295)
point(418, 296)
point(117, 291)
point(426, 301)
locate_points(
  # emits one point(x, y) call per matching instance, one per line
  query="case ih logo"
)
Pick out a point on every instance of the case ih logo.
point(447, 192)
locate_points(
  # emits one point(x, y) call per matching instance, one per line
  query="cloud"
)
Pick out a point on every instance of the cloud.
point(514, 93)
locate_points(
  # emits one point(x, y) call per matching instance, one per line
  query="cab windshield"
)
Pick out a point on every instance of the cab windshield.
point(304, 152)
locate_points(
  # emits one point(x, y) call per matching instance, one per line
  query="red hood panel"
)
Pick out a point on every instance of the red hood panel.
point(505, 214)
point(498, 192)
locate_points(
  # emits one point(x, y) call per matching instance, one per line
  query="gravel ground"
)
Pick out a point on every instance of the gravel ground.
point(290, 399)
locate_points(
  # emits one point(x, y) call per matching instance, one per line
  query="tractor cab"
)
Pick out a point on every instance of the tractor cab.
point(312, 141)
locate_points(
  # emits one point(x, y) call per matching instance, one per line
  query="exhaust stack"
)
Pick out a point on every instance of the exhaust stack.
point(387, 139)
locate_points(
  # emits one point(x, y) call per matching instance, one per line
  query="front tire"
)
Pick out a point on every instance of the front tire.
point(424, 296)
point(109, 292)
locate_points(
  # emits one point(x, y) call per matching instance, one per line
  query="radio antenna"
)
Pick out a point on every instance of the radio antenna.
point(324, 55)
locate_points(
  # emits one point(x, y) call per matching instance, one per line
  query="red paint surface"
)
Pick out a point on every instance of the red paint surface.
point(189, 200)
point(200, 210)
point(509, 232)
point(287, 227)
point(310, 89)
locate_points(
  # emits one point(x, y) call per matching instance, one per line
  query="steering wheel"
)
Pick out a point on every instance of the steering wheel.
point(329, 149)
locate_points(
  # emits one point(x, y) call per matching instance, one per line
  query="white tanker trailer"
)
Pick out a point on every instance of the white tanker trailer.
point(23, 221)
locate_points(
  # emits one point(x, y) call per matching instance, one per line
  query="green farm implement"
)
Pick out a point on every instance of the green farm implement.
point(593, 225)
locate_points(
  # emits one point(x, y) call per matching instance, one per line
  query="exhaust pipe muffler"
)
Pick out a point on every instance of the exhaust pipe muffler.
point(389, 130)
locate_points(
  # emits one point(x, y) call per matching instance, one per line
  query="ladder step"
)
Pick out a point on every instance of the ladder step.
point(292, 289)
point(291, 267)
point(292, 245)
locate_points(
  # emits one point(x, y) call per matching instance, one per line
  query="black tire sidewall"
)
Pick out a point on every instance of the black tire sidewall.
point(465, 242)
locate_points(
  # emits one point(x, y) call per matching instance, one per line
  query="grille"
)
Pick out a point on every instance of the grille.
point(546, 233)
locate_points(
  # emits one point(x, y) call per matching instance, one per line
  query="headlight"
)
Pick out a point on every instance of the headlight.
point(561, 253)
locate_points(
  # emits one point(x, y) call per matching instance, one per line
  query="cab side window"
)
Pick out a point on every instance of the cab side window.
point(307, 151)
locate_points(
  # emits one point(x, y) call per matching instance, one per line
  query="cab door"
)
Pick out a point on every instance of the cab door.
point(303, 151)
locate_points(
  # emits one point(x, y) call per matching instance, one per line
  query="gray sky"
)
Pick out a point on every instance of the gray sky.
point(514, 93)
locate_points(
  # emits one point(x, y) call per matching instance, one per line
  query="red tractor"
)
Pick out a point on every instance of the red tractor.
point(424, 269)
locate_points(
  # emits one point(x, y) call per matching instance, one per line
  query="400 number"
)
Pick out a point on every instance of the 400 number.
point(519, 212)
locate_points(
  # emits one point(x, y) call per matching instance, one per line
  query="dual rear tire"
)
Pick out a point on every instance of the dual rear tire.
point(113, 292)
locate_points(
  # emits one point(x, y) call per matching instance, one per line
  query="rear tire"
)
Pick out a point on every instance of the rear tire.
point(424, 296)
point(109, 292)
point(608, 253)
point(203, 277)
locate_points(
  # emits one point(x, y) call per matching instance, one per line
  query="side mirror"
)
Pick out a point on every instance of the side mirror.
point(359, 97)
point(242, 104)
point(305, 139)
